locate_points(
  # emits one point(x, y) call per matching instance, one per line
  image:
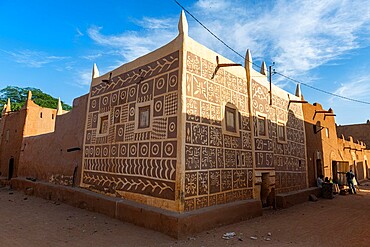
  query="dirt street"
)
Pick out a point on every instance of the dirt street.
point(30, 221)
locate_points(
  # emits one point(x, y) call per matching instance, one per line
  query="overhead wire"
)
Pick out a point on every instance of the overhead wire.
point(323, 91)
point(273, 72)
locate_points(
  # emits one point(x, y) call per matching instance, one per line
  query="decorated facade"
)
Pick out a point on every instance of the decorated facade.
point(177, 130)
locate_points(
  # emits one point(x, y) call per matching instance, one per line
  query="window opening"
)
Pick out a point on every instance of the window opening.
point(103, 125)
point(144, 117)
point(262, 126)
point(230, 119)
point(281, 132)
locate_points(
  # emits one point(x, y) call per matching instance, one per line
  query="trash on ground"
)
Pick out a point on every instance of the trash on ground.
point(229, 235)
point(254, 238)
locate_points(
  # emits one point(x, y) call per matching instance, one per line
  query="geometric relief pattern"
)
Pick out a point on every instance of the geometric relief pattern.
point(112, 183)
point(154, 168)
point(288, 158)
point(218, 166)
point(125, 158)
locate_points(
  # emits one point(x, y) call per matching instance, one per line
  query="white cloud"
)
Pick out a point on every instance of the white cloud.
point(92, 57)
point(79, 33)
point(357, 88)
point(298, 35)
point(33, 59)
point(155, 23)
point(132, 44)
point(213, 5)
point(83, 77)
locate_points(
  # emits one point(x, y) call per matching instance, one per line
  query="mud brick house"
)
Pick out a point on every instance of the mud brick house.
point(327, 154)
point(357, 131)
point(28, 121)
point(360, 133)
point(36, 142)
point(174, 130)
point(177, 140)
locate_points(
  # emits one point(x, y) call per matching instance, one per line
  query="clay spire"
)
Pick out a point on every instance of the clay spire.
point(183, 24)
point(95, 71)
point(263, 70)
point(248, 64)
point(8, 106)
point(29, 95)
point(59, 108)
point(298, 92)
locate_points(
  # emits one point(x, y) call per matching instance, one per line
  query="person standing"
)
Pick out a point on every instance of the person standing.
point(350, 176)
point(320, 181)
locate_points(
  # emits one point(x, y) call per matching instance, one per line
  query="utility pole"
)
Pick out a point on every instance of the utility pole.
point(270, 79)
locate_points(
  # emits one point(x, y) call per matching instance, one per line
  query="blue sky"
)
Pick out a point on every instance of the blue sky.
point(52, 45)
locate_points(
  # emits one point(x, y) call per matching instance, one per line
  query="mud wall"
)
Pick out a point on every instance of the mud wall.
point(131, 132)
point(218, 152)
point(11, 140)
point(56, 157)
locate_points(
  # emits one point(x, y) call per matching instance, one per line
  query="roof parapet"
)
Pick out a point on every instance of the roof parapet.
point(248, 64)
point(263, 70)
point(8, 106)
point(29, 95)
point(95, 71)
point(298, 92)
point(183, 26)
point(59, 108)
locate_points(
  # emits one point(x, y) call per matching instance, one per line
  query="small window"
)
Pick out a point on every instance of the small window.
point(144, 117)
point(281, 132)
point(52, 116)
point(230, 119)
point(262, 126)
point(40, 114)
point(327, 132)
point(103, 125)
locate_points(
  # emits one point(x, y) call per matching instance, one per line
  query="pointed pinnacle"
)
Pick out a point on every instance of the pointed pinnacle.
point(183, 24)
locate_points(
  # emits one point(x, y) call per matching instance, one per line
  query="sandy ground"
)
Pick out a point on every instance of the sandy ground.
point(30, 221)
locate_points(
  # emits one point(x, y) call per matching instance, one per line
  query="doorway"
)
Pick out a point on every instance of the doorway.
point(360, 171)
point(11, 168)
point(319, 168)
point(265, 184)
point(335, 171)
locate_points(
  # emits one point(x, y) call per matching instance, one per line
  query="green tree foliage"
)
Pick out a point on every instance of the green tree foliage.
point(18, 97)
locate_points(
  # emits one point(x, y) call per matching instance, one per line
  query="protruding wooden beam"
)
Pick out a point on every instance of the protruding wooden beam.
point(221, 65)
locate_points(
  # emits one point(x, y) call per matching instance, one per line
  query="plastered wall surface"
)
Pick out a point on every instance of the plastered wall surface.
point(357, 131)
point(47, 157)
point(39, 120)
point(11, 140)
point(284, 159)
point(218, 163)
point(122, 159)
